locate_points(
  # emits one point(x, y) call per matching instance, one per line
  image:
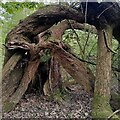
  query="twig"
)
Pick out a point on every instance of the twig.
point(86, 11)
point(117, 111)
point(77, 38)
point(86, 41)
point(92, 48)
point(105, 10)
point(107, 43)
point(92, 63)
point(116, 76)
point(5, 46)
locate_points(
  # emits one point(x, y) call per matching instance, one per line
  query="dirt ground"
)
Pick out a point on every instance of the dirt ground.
point(75, 104)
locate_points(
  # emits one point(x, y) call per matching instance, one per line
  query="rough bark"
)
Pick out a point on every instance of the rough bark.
point(11, 76)
point(87, 78)
point(119, 66)
point(101, 106)
point(119, 77)
point(55, 76)
point(77, 69)
point(38, 22)
point(9, 102)
point(41, 20)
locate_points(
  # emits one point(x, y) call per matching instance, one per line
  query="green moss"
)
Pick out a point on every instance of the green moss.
point(57, 96)
point(8, 106)
point(115, 101)
point(60, 95)
point(116, 97)
point(101, 108)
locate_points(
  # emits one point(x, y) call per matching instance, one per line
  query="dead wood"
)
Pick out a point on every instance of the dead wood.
point(11, 76)
point(29, 74)
point(74, 66)
point(55, 76)
point(10, 65)
point(38, 22)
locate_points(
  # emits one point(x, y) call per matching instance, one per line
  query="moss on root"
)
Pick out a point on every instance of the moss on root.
point(8, 106)
point(102, 109)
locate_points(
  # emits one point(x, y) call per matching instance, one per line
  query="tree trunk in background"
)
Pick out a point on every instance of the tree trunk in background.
point(119, 68)
point(101, 106)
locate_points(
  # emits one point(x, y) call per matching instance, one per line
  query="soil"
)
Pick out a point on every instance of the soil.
point(76, 103)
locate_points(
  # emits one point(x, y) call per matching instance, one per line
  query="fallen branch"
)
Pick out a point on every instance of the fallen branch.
point(117, 111)
point(10, 65)
point(27, 77)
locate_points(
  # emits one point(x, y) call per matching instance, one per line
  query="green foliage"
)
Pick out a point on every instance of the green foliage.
point(46, 56)
point(85, 47)
point(11, 7)
point(115, 56)
point(101, 108)
point(13, 12)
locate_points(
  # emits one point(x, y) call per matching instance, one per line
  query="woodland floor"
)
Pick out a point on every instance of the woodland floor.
point(75, 104)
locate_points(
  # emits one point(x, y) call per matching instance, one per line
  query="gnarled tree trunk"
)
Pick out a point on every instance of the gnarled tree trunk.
point(74, 66)
point(26, 31)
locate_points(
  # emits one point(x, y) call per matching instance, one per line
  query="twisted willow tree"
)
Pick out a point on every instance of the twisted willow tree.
point(38, 32)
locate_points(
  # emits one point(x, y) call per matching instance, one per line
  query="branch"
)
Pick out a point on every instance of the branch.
point(81, 50)
point(105, 10)
point(104, 34)
point(41, 20)
point(117, 111)
point(86, 41)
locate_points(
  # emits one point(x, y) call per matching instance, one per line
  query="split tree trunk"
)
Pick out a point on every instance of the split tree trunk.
point(101, 106)
point(74, 67)
point(55, 76)
point(26, 31)
point(38, 22)
point(10, 101)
